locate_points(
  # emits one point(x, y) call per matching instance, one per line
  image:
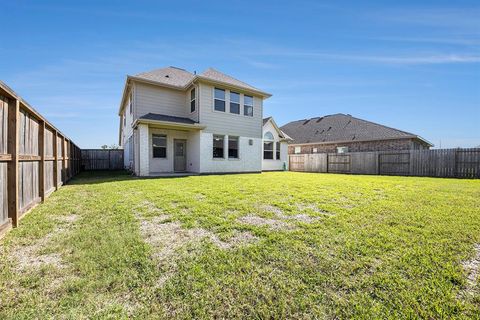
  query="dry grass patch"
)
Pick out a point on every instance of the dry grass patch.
point(472, 268)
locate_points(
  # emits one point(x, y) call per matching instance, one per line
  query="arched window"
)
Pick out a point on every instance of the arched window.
point(268, 145)
point(268, 136)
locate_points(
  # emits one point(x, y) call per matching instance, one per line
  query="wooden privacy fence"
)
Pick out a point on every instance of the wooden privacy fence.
point(35, 158)
point(448, 163)
point(102, 159)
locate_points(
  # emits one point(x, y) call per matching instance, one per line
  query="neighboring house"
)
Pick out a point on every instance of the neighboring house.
point(275, 146)
point(344, 133)
point(172, 120)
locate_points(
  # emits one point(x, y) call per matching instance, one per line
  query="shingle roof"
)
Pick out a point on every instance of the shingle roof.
point(265, 120)
point(171, 76)
point(340, 127)
point(164, 117)
point(180, 78)
point(216, 75)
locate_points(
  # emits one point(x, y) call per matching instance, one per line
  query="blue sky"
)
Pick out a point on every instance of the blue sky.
point(412, 65)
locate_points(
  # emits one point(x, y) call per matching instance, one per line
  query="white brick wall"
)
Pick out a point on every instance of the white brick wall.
point(250, 159)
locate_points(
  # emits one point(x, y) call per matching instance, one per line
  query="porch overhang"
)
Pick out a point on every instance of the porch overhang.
point(168, 124)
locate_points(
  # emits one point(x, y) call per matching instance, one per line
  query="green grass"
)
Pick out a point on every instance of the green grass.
point(380, 247)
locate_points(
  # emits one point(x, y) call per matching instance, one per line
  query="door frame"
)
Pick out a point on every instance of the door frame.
point(184, 154)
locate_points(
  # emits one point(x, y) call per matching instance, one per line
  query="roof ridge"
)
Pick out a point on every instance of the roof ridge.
point(381, 125)
point(213, 69)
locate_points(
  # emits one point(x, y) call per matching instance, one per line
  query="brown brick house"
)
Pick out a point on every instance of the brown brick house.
point(344, 133)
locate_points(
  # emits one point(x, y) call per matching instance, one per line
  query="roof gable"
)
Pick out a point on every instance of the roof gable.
point(340, 127)
point(280, 133)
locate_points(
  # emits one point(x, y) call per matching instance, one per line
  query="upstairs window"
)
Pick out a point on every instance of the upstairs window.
point(298, 149)
point(217, 146)
point(235, 102)
point(219, 100)
point(232, 147)
point(130, 102)
point(192, 100)
point(248, 106)
point(277, 150)
point(159, 145)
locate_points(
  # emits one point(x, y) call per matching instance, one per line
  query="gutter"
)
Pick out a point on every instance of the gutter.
point(363, 140)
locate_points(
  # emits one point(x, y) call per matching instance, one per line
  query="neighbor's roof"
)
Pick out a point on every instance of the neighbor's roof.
point(341, 128)
point(181, 79)
point(164, 117)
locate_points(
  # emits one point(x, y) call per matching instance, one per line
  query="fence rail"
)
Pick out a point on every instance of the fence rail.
point(35, 158)
point(102, 159)
point(447, 163)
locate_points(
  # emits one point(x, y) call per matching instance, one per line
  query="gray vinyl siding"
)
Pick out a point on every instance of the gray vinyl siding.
point(155, 99)
point(226, 122)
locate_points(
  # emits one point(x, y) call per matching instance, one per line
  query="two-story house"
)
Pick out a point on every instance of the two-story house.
point(172, 120)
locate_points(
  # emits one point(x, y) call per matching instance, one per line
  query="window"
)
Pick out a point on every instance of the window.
point(342, 149)
point(268, 136)
point(219, 100)
point(217, 146)
point(159, 145)
point(268, 150)
point(277, 151)
point(234, 102)
point(232, 147)
point(130, 103)
point(192, 100)
point(314, 150)
point(248, 106)
point(298, 149)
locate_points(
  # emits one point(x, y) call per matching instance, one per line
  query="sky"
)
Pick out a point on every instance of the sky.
point(411, 65)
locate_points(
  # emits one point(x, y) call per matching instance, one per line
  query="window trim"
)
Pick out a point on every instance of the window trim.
point(194, 100)
point(238, 148)
point(223, 147)
point(224, 99)
point(248, 105)
point(230, 102)
point(345, 148)
point(166, 146)
point(272, 151)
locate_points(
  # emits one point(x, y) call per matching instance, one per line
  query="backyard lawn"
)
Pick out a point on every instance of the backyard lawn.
point(271, 245)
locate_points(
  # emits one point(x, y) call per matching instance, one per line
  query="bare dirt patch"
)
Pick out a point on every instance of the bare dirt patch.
point(166, 238)
point(305, 218)
point(31, 256)
point(259, 221)
point(472, 268)
point(313, 207)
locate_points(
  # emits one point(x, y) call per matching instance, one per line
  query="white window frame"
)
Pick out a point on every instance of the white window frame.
point(238, 147)
point(230, 102)
point(247, 105)
point(213, 146)
point(297, 150)
point(166, 146)
point(342, 149)
point(194, 100)
point(224, 99)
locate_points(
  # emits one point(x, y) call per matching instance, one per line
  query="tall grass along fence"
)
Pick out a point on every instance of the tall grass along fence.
point(35, 158)
point(102, 159)
point(448, 163)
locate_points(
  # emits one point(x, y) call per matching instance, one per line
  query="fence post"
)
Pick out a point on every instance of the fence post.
point(41, 166)
point(55, 162)
point(12, 167)
point(64, 161)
